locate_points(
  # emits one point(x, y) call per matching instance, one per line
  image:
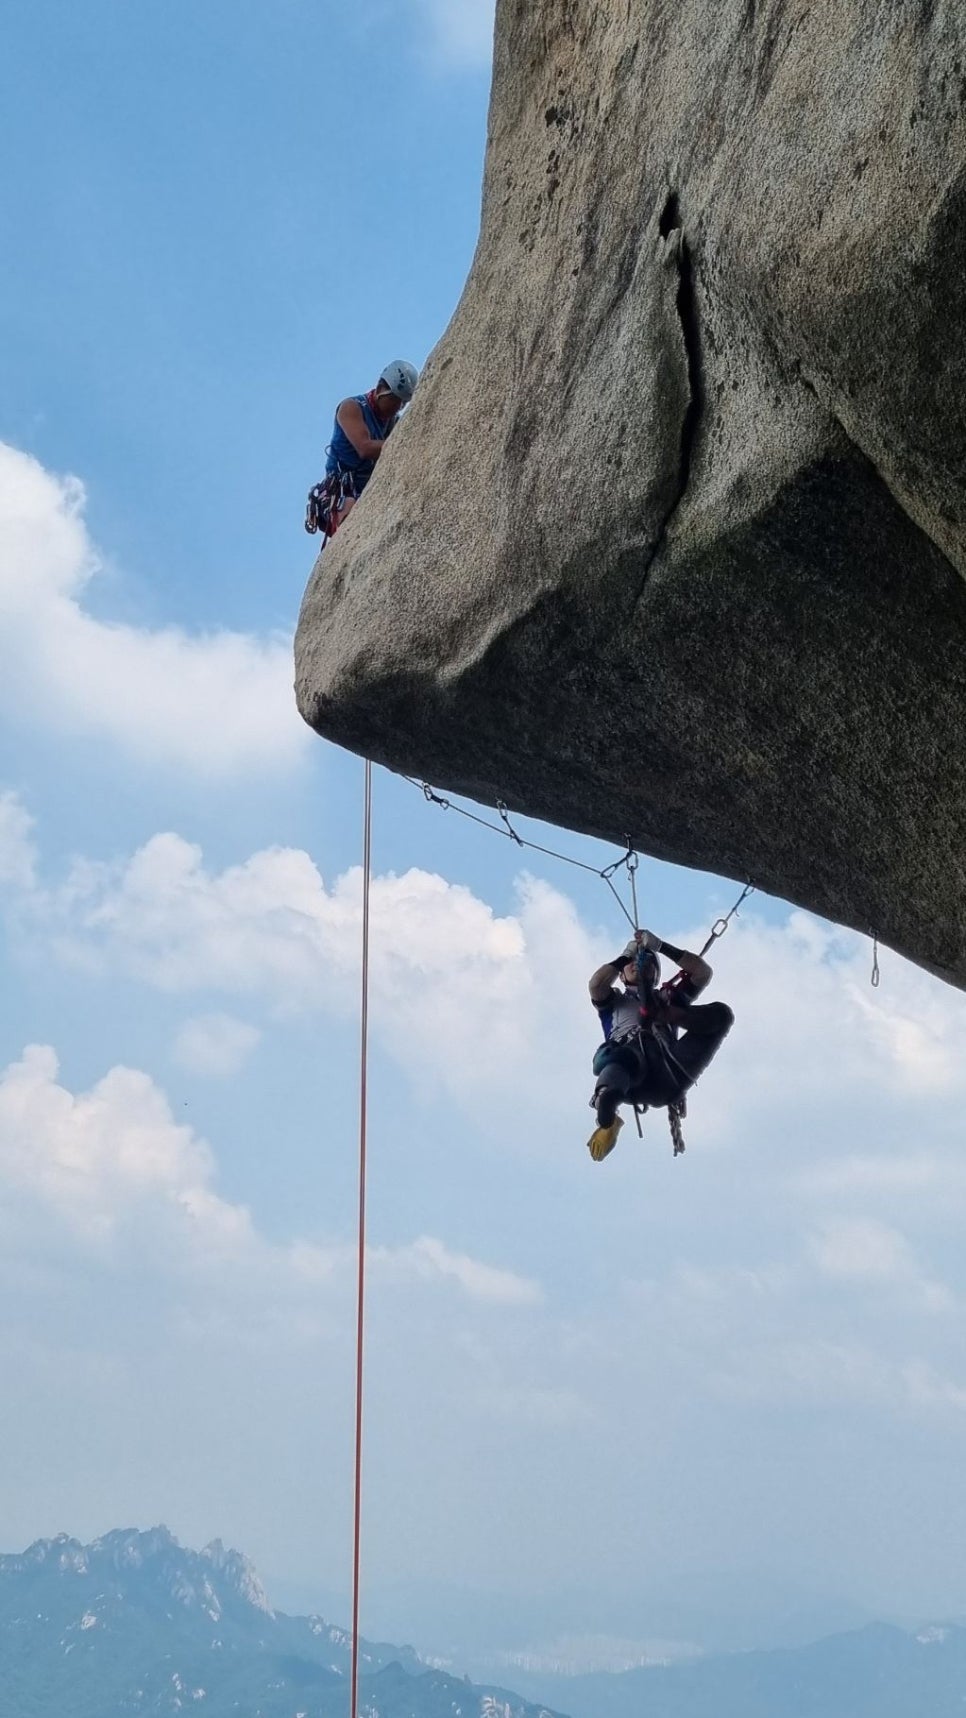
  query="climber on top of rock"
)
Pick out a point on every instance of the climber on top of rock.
point(644, 1060)
point(363, 423)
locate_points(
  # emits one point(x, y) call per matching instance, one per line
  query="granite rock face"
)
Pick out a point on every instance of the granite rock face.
point(673, 539)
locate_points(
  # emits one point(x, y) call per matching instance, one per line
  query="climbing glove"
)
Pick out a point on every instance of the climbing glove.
point(647, 940)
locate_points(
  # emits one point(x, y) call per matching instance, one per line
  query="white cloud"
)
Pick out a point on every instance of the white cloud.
point(744, 1336)
point(924, 1176)
point(929, 1389)
point(460, 30)
point(215, 1044)
point(17, 852)
point(450, 982)
point(217, 703)
point(113, 1169)
point(95, 1158)
point(469, 1360)
point(864, 1250)
point(428, 1258)
point(819, 1067)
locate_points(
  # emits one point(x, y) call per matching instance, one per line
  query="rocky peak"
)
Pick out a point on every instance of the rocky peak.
point(130, 1548)
point(208, 1579)
point(239, 1573)
point(62, 1553)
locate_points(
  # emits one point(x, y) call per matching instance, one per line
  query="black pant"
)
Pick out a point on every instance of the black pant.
point(640, 1072)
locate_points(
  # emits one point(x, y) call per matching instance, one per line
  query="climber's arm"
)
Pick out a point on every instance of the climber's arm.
point(694, 966)
point(349, 418)
point(601, 982)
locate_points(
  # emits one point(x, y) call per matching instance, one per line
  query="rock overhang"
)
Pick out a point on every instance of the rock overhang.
point(673, 539)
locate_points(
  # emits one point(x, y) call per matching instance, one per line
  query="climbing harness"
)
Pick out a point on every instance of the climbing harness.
point(677, 1109)
point(361, 1270)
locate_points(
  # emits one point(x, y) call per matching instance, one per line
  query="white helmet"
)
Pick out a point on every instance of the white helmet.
point(400, 378)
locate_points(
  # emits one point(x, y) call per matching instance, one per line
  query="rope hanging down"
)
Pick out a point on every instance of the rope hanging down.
point(361, 1286)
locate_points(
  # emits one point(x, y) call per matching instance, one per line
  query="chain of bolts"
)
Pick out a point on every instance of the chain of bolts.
point(628, 861)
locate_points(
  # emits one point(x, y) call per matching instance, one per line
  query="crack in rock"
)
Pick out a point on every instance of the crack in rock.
point(678, 255)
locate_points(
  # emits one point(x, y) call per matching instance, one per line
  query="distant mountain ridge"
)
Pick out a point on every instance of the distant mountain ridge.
point(873, 1672)
point(135, 1624)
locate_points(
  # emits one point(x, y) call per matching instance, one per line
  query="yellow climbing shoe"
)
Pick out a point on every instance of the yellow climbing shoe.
point(603, 1140)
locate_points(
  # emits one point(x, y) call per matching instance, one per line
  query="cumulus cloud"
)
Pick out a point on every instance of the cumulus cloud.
point(113, 1169)
point(451, 983)
point(93, 1159)
point(216, 703)
point(215, 1044)
point(818, 1063)
point(795, 1252)
point(803, 989)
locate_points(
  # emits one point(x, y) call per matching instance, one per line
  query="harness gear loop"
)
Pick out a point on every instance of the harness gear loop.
point(875, 961)
point(326, 500)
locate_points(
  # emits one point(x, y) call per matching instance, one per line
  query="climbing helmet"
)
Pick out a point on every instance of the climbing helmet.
point(400, 378)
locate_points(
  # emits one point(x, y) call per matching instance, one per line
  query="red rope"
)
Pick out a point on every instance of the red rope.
point(361, 1291)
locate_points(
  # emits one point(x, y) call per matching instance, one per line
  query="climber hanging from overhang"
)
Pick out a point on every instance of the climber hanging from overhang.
point(363, 424)
point(657, 1040)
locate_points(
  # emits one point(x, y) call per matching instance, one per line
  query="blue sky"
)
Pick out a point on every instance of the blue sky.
point(590, 1389)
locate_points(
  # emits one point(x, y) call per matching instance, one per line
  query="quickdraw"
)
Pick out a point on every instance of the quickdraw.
point(326, 501)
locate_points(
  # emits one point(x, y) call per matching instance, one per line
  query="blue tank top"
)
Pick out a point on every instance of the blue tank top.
point(340, 455)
